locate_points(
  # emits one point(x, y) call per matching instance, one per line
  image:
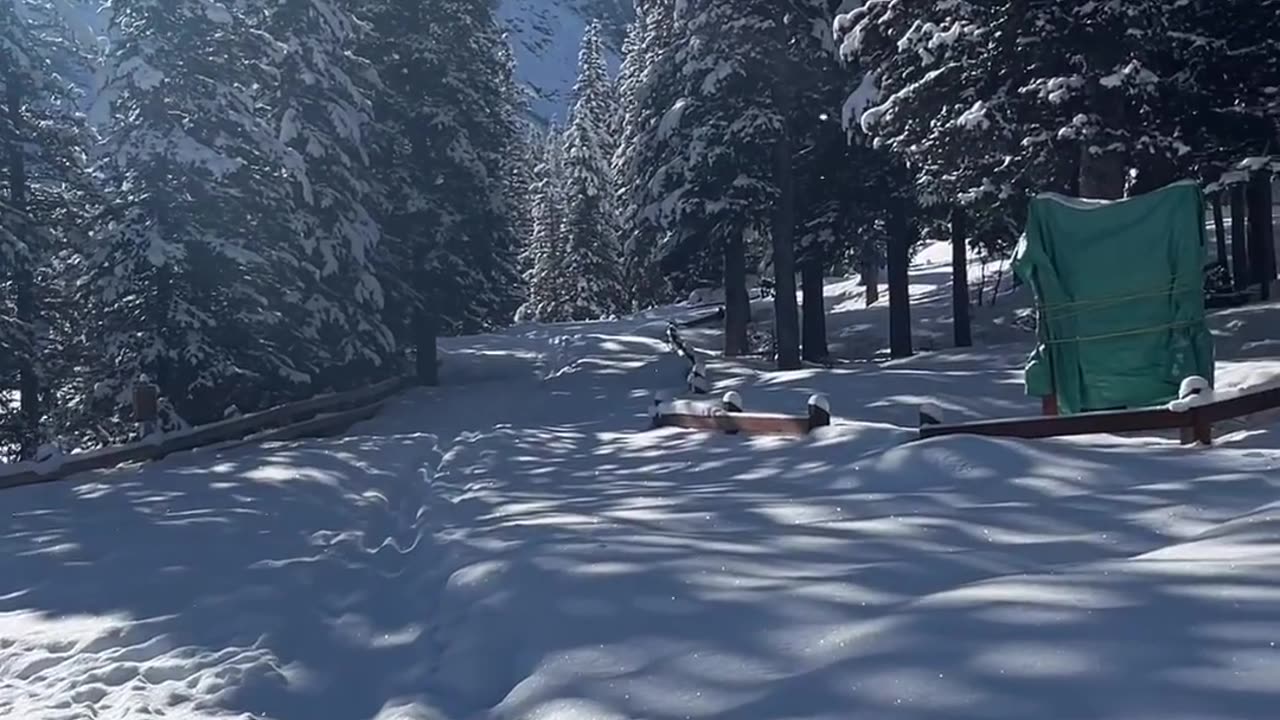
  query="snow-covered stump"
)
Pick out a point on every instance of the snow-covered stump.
point(731, 403)
point(819, 411)
point(930, 414)
point(1194, 392)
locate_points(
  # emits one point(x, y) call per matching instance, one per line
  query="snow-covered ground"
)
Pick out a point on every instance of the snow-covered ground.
point(518, 545)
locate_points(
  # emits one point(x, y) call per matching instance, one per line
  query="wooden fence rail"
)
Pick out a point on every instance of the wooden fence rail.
point(320, 415)
point(1196, 422)
point(728, 416)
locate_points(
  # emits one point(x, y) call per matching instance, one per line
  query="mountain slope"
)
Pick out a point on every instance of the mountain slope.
point(546, 34)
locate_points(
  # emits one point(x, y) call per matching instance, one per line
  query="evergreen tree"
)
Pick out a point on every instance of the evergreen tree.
point(182, 273)
point(45, 194)
point(592, 257)
point(647, 162)
point(322, 110)
point(993, 102)
point(593, 91)
point(544, 257)
point(728, 125)
point(447, 122)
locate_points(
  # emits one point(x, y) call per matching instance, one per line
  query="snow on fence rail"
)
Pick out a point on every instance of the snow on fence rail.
point(728, 416)
point(317, 416)
point(1195, 419)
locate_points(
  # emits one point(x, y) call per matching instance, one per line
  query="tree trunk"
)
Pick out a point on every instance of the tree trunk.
point(961, 330)
point(815, 308)
point(1102, 175)
point(1154, 172)
point(426, 327)
point(23, 275)
point(737, 303)
point(1220, 230)
point(899, 258)
point(425, 334)
point(786, 318)
point(871, 274)
point(1239, 240)
point(1262, 254)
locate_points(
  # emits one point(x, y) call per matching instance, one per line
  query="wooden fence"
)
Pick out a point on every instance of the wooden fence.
point(1195, 423)
point(315, 417)
point(728, 416)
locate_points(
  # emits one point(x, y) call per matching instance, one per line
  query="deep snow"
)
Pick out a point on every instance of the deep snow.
point(518, 545)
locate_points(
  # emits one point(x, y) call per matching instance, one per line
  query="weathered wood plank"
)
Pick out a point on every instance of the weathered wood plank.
point(337, 411)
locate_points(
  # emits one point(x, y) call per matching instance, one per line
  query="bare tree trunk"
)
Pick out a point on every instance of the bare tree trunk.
point(1261, 233)
point(786, 313)
point(899, 257)
point(871, 278)
point(1241, 269)
point(1102, 174)
point(426, 327)
point(737, 303)
point(1154, 172)
point(962, 332)
point(982, 281)
point(1220, 229)
point(815, 309)
point(995, 289)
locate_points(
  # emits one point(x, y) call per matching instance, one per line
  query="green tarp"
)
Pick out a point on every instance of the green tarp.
point(1119, 295)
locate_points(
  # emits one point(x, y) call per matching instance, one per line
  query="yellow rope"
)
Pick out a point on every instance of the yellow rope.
point(1125, 333)
point(1120, 298)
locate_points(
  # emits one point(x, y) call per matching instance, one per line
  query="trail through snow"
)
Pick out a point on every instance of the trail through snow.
point(518, 545)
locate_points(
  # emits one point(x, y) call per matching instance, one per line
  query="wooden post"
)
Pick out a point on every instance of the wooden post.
point(930, 414)
point(1049, 405)
point(819, 412)
point(146, 406)
point(731, 403)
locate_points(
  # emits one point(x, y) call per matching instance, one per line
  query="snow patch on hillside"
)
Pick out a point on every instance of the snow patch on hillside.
point(546, 36)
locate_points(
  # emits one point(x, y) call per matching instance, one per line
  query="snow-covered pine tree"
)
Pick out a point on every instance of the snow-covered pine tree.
point(321, 107)
point(994, 102)
point(948, 92)
point(592, 257)
point(446, 120)
point(45, 195)
point(647, 161)
point(1227, 55)
point(593, 91)
point(544, 256)
point(502, 137)
point(186, 270)
point(728, 123)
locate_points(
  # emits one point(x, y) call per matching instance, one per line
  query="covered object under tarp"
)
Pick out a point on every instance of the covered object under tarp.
point(1119, 288)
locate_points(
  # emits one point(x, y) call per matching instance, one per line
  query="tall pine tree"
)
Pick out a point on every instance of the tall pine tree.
point(185, 272)
point(592, 257)
point(45, 195)
point(322, 110)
